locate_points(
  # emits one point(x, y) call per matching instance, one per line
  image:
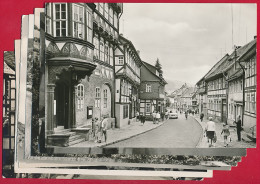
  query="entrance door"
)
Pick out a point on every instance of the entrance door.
point(62, 105)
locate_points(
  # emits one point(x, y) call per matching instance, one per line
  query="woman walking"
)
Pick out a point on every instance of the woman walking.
point(210, 130)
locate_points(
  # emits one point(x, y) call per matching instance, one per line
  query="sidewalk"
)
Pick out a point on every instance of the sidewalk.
point(120, 134)
point(220, 139)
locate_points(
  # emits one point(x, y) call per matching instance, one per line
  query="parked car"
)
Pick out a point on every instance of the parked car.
point(173, 115)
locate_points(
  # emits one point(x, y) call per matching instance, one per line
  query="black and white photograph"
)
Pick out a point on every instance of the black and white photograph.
point(165, 90)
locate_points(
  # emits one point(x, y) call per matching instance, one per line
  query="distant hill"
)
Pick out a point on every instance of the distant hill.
point(174, 84)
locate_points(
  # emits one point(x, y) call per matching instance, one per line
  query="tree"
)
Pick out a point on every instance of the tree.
point(159, 67)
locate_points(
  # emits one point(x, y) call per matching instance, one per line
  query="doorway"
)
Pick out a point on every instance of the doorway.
point(62, 105)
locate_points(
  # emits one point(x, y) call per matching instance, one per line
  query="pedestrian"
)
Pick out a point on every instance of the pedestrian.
point(104, 126)
point(162, 116)
point(158, 116)
point(186, 114)
point(93, 128)
point(201, 117)
point(166, 115)
point(239, 127)
point(142, 119)
point(210, 130)
point(97, 130)
point(226, 133)
point(137, 116)
point(154, 117)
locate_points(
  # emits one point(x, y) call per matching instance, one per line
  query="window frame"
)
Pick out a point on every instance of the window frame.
point(78, 22)
point(55, 20)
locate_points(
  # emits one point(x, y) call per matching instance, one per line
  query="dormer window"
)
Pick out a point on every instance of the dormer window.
point(148, 88)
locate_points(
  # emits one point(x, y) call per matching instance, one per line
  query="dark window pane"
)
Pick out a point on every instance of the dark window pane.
point(57, 15)
point(57, 32)
point(63, 24)
point(63, 32)
point(57, 7)
point(63, 15)
point(63, 7)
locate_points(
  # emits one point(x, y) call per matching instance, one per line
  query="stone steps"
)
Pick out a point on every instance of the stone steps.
point(76, 141)
point(65, 137)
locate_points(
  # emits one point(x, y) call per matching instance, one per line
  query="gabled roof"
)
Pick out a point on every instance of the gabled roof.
point(218, 68)
point(240, 52)
point(9, 59)
point(152, 69)
point(213, 68)
point(188, 93)
point(122, 38)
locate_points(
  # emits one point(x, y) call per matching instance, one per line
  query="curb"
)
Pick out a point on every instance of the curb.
point(201, 136)
point(119, 140)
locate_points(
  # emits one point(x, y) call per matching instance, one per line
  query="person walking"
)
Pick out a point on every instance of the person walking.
point(210, 130)
point(226, 133)
point(142, 119)
point(154, 117)
point(166, 115)
point(239, 127)
point(158, 116)
point(137, 116)
point(201, 117)
point(104, 126)
point(186, 114)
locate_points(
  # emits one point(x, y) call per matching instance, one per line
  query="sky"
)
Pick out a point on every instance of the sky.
point(188, 39)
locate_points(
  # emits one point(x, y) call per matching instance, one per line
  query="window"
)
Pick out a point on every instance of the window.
point(121, 60)
point(106, 10)
point(101, 50)
point(60, 21)
point(97, 97)
point(125, 111)
point(111, 54)
point(105, 98)
point(89, 27)
point(48, 18)
point(106, 54)
point(111, 13)
point(96, 51)
point(247, 102)
point(148, 88)
point(80, 96)
point(253, 103)
point(115, 20)
point(148, 108)
point(101, 8)
point(78, 21)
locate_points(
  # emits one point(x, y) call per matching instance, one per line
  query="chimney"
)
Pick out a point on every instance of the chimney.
point(255, 37)
point(121, 34)
point(138, 52)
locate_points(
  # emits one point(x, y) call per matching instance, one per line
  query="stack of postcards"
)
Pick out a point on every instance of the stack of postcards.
point(75, 89)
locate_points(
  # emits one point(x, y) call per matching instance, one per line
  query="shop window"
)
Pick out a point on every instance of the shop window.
point(125, 111)
point(148, 108)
